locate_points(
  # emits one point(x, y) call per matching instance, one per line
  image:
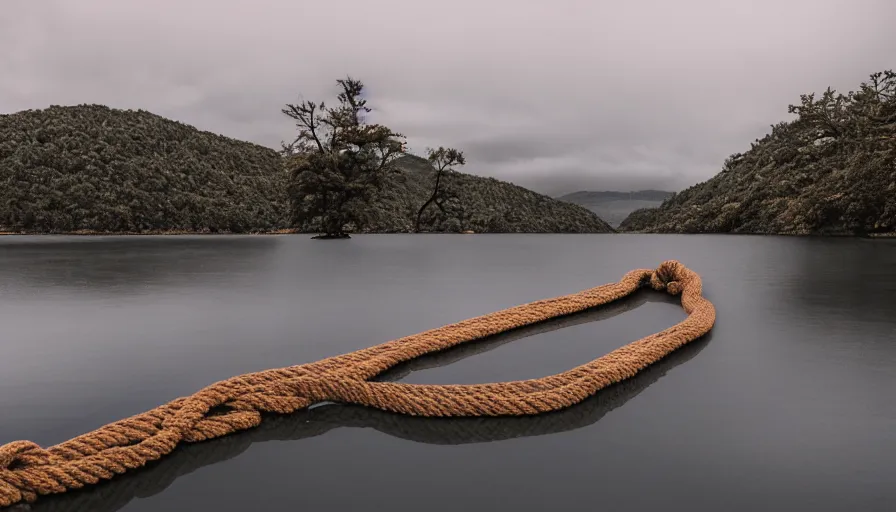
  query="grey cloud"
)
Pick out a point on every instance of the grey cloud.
point(557, 95)
point(516, 147)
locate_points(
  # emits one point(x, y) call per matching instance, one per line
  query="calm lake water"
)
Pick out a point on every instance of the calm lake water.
point(787, 405)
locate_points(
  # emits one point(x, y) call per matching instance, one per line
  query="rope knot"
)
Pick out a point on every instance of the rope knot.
point(22, 454)
point(668, 276)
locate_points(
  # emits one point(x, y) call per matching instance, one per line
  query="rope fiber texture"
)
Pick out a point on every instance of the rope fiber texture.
point(28, 471)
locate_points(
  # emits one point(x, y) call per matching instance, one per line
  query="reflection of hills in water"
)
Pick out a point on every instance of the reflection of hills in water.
point(850, 278)
point(113, 262)
point(318, 420)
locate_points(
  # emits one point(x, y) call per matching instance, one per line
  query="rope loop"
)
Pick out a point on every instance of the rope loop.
point(28, 471)
point(23, 454)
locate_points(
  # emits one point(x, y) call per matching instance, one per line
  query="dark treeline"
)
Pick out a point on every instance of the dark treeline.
point(347, 174)
point(90, 168)
point(832, 170)
point(474, 203)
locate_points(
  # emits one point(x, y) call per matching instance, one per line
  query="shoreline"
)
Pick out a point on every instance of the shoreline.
point(150, 233)
point(85, 233)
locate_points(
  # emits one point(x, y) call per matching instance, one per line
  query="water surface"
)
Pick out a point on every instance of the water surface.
point(787, 405)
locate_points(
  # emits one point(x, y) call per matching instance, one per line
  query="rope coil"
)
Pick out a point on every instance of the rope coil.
point(28, 471)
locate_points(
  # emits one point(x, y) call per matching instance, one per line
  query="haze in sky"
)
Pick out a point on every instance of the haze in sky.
point(557, 95)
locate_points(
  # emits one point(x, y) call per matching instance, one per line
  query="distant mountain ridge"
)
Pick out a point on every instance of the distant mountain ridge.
point(636, 195)
point(614, 206)
point(91, 168)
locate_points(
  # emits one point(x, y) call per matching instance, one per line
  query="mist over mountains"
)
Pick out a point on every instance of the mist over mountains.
point(614, 207)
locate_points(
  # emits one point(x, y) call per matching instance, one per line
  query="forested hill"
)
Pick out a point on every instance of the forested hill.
point(832, 170)
point(483, 205)
point(93, 168)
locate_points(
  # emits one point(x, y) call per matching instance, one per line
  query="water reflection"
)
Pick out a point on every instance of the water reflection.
point(114, 495)
point(104, 264)
point(850, 279)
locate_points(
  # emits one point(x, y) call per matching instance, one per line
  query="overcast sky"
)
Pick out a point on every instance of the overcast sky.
point(556, 95)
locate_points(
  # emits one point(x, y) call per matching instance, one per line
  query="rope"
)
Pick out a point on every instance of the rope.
point(236, 404)
point(317, 421)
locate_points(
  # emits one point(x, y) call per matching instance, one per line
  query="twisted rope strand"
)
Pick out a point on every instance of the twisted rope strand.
point(28, 471)
point(317, 421)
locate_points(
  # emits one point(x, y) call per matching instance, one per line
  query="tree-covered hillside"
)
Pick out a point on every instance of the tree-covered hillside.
point(90, 167)
point(93, 168)
point(483, 205)
point(830, 171)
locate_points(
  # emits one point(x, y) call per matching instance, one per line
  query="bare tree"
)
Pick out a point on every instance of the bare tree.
point(442, 160)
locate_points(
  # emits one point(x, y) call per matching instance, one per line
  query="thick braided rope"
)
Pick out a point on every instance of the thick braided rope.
point(27, 470)
point(317, 421)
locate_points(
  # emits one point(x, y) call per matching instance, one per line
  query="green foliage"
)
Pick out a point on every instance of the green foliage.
point(92, 168)
point(338, 162)
point(832, 170)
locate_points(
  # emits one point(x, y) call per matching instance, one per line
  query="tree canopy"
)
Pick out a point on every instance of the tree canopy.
point(338, 162)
